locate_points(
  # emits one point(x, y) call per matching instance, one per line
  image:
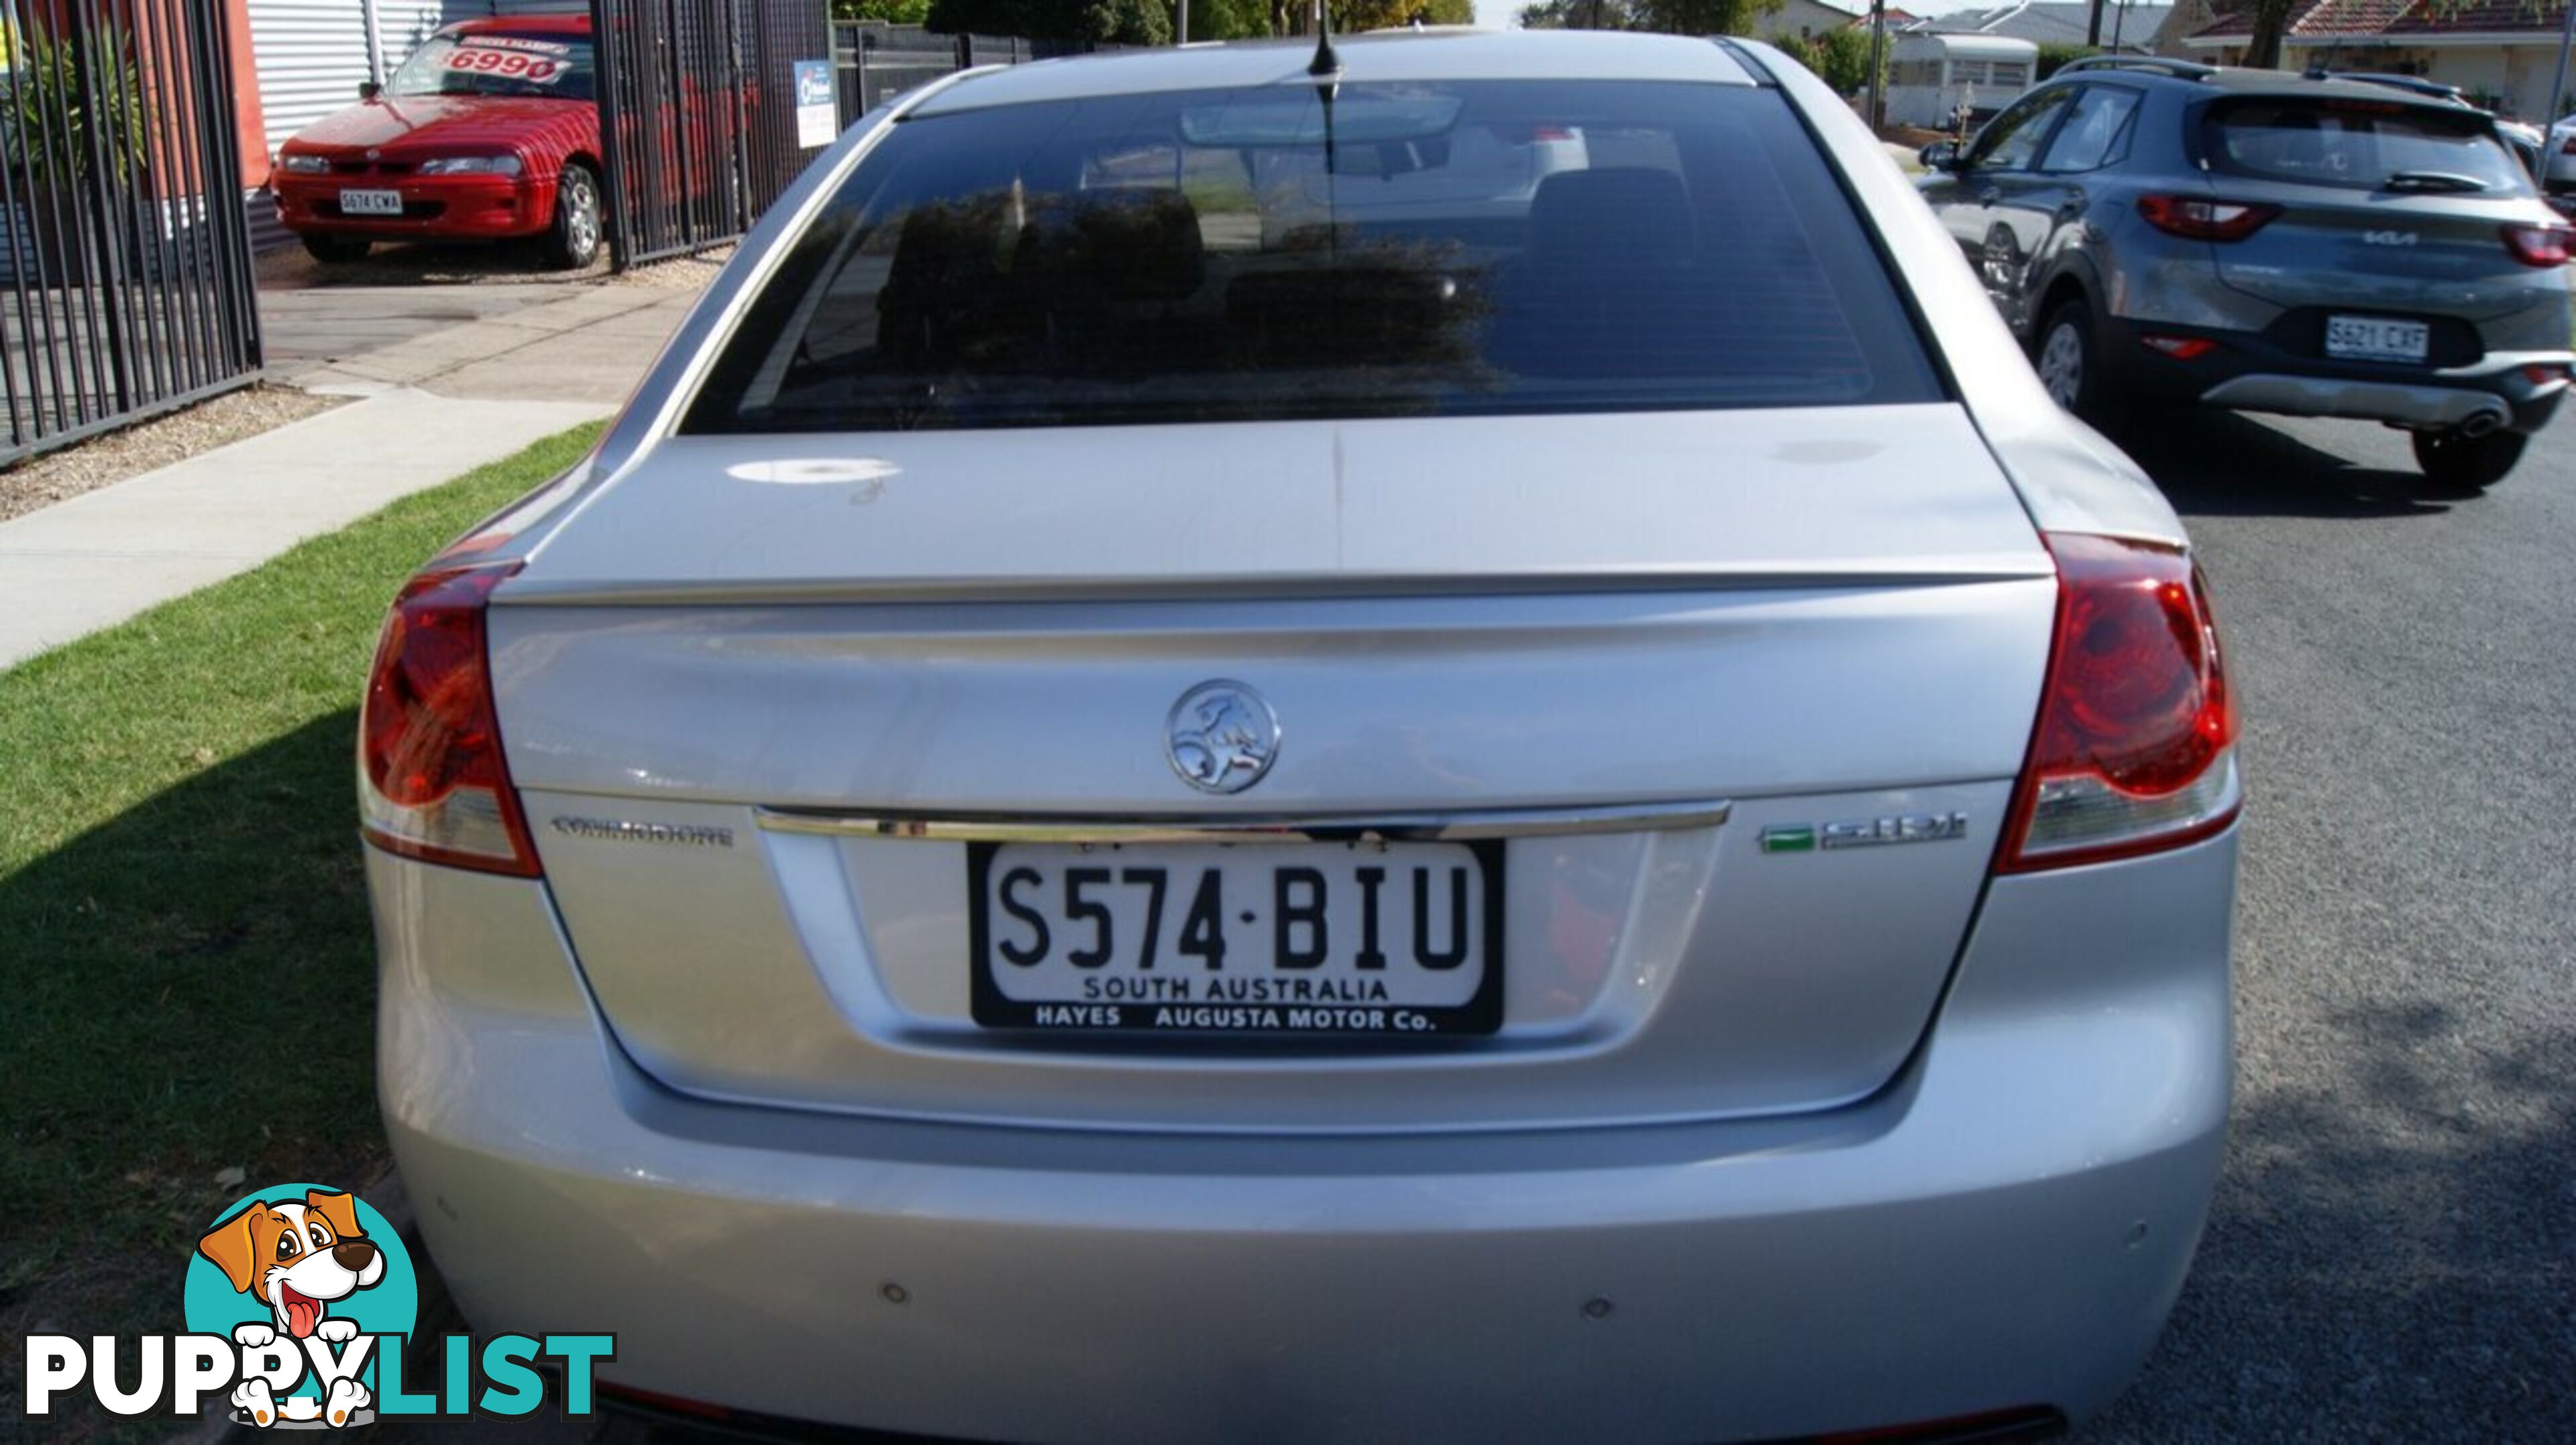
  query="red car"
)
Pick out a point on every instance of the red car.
point(489, 131)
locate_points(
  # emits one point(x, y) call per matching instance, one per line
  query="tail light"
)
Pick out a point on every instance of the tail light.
point(2539, 245)
point(2135, 748)
point(2199, 219)
point(432, 783)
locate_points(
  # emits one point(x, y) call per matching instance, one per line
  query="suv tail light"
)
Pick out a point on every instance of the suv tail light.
point(2135, 748)
point(2539, 245)
point(432, 783)
point(2200, 219)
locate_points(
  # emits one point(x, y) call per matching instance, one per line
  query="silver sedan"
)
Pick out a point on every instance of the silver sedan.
point(1157, 789)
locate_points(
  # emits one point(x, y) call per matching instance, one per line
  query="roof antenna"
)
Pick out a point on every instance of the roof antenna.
point(1325, 63)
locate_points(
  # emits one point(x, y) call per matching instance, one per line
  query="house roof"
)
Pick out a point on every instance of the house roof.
point(2480, 17)
point(2348, 17)
point(2340, 19)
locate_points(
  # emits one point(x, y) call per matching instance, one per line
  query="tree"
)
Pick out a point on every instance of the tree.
point(1354, 15)
point(893, 12)
point(2059, 53)
point(1840, 58)
point(1229, 19)
point(1578, 15)
point(1704, 17)
point(1124, 22)
point(2271, 21)
point(1674, 17)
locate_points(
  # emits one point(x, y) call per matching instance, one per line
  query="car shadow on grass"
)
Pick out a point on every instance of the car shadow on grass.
point(2389, 1258)
point(2215, 463)
point(191, 992)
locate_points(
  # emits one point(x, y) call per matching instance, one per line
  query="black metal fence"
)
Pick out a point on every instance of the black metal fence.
point(698, 110)
point(127, 286)
point(877, 62)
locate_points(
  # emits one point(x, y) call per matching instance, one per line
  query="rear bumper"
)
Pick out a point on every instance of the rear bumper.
point(2005, 1226)
point(2247, 372)
point(435, 207)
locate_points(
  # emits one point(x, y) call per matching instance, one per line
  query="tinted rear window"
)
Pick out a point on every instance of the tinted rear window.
point(1464, 248)
point(2358, 143)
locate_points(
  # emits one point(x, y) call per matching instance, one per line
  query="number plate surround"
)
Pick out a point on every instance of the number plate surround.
point(1481, 1014)
point(2373, 340)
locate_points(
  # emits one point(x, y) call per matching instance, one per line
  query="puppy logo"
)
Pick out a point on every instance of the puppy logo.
point(300, 1265)
point(297, 1257)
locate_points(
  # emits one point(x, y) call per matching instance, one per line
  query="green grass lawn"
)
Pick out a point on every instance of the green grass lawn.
point(184, 944)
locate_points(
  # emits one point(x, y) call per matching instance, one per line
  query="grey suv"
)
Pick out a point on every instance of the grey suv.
point(2161, 231)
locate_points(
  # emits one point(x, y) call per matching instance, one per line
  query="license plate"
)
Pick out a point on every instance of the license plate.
point(371, 203)
point(1389, 939)
point(2371, 338)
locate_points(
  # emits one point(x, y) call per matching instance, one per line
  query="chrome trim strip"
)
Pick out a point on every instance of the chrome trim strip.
point(1459, 827)
point(581, 592)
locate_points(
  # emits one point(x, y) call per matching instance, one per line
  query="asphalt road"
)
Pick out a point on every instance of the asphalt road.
point(2393, 1251)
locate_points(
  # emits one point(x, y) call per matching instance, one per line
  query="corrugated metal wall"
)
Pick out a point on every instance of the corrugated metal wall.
point(403, 24)
point(310, 54)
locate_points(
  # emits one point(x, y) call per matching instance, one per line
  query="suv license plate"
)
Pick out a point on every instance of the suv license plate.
point(1391, 939)
point(371, 203)
point(2373, 338)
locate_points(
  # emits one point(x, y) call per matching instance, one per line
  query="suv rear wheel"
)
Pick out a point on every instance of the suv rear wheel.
point(2069, 365)
point(2455, 461)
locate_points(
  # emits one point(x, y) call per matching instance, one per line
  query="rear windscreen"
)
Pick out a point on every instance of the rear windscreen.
point(2360, 143)
point(1269, 253)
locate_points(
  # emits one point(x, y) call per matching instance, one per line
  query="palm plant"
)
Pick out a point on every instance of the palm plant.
point(69, 109)
point(73, 120)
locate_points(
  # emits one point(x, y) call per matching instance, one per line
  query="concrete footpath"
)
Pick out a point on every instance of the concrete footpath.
point(95, 560)
point(447, 379)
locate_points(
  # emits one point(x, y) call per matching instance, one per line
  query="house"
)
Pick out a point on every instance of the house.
point(2055, 22)
point(2501, 52)
point(1806, 19)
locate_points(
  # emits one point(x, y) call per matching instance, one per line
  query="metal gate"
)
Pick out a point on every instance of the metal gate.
point(698, 113)
point(127, 286)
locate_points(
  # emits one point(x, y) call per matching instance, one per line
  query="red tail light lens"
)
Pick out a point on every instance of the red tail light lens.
point(2180, 348)
point(2200, 219)
point(432, 783)
point(2540, 245)
point(2135, 748)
